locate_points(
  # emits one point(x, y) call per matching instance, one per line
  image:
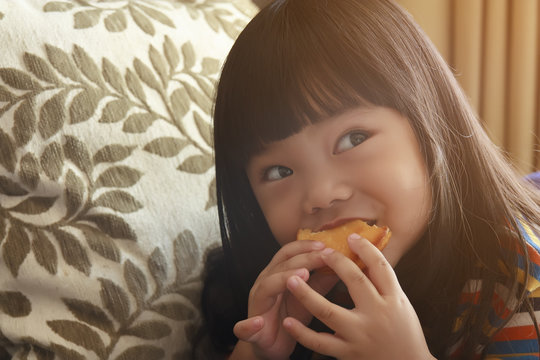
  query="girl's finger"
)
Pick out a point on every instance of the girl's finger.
point(248, 329)
point(264, 293)
point(322, 283)
point(293, 249)
point(330, 314)
point(310, 260)
point(308, 257)
point(321, 343)
point(360, 287)
point(381, 273)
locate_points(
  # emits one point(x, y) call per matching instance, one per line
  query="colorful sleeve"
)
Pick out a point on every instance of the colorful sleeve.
point(518, 339)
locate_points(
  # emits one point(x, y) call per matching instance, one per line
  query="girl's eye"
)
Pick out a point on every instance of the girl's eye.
point(350, 140)
point(277, 172)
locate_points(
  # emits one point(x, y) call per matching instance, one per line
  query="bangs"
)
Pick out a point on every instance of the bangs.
point(297, 75)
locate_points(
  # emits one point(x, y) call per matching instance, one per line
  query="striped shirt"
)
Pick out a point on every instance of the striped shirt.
point(517, 340)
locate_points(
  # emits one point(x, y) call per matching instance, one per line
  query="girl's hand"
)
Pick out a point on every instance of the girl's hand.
point(382, 324)
point(270, 302)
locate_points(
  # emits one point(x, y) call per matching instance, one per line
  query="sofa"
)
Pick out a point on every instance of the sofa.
point(107, 186)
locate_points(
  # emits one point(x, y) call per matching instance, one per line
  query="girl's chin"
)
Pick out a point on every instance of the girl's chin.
point(391, 256)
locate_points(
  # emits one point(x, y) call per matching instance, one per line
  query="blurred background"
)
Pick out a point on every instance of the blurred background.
point(493, 46)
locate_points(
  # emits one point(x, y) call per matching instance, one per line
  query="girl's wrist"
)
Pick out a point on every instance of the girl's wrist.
point(243, 350)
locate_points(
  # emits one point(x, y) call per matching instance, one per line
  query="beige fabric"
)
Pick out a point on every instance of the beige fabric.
point(106, 173)
point(493, 47)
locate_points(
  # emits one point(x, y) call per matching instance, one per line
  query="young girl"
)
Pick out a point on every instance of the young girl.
point(330, 110)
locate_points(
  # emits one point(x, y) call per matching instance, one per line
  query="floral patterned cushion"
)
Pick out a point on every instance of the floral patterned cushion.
point(107, 199)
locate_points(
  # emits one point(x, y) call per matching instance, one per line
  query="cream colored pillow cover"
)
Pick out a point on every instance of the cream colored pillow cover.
point(106, 173)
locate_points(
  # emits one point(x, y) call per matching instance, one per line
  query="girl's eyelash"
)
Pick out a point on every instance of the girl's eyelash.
point(263, 172)
point(275, 172)
point(347, 141)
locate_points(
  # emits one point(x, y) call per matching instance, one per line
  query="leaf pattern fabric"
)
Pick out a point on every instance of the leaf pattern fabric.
point(107, 201)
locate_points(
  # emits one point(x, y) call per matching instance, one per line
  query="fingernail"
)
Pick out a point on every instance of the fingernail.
point(301, 273)
point(317, 245)
point(258, 323)
point(293, 282)
point(287, 323)
point(354, 237)
point(327, 251)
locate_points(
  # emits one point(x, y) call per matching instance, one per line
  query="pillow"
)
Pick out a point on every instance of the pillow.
point(107, 201)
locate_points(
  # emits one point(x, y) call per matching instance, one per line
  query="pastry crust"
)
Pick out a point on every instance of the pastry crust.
point(336, 238)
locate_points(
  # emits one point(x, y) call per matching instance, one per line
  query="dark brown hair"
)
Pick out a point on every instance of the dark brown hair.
point(300, 61)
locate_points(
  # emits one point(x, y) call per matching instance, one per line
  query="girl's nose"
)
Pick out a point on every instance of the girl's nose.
point(324, 192)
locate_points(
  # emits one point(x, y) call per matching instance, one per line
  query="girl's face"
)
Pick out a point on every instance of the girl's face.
point(365, 163)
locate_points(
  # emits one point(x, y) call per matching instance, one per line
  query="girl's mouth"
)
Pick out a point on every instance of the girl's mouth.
point(338, 222)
